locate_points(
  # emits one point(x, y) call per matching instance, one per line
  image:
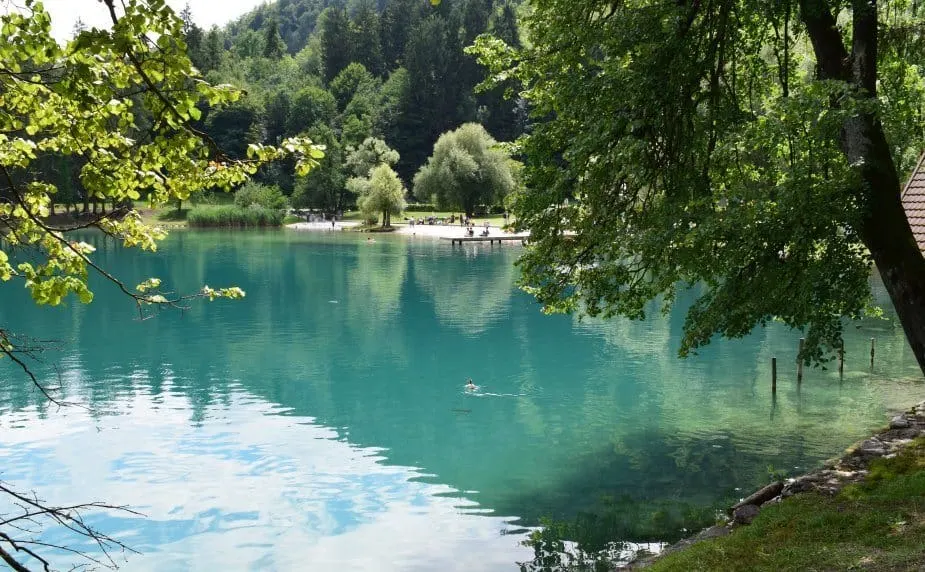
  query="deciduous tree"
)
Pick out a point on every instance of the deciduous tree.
point(383, 193)
point(90, 101)
point(748, 148)
point(465, 171)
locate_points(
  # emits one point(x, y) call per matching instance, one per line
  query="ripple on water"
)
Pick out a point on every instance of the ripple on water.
point(284, 428)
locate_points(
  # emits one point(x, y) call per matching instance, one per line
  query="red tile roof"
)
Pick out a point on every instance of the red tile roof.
point(914, 202)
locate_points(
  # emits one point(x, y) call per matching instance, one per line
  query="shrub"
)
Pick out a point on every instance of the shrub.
point(234, 216)
point(266, 196)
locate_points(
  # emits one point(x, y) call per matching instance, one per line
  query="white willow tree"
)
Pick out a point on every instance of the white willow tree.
point(383, 193)
point(467, 169)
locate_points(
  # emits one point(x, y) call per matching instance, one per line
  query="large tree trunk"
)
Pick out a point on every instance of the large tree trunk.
point(889, 238)
point(884, 228)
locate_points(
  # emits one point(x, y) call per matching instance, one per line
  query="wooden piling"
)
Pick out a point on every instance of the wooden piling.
point(800, 360)
point(841, 361)
point(872, 353)
point(773, 376)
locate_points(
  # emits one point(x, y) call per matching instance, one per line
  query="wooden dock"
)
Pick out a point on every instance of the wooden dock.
point(489, 239)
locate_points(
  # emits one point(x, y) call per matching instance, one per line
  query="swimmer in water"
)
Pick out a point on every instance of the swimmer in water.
point(470, 386)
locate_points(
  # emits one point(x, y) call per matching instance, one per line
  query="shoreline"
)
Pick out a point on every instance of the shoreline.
point(852, 467)
point(433, 231)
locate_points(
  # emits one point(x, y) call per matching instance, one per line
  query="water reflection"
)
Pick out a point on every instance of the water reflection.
point(466, 295)
point(370, 344)
point(246, 489)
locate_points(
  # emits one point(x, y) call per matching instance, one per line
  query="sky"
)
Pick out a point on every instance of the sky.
point(206, 13)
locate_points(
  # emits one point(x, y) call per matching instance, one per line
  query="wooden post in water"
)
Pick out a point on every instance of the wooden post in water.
point(841, 361)
point(800, 361)
point(872, 353)
point(773, 376)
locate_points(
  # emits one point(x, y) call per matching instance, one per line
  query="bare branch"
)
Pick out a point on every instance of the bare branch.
point(36, 512)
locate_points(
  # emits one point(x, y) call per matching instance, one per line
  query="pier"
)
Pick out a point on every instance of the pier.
point(489, 239)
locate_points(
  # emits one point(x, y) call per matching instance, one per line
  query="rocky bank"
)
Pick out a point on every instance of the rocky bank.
point(829, 479)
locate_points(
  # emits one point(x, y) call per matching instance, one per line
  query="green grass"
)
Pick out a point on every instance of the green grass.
point(877, 525)
point(230, 216)
point(171, 214)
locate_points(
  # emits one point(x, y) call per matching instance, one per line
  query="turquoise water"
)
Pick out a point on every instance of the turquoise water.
point(323, 419)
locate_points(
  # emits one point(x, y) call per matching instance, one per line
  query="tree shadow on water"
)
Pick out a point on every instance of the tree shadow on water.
point(646, 487)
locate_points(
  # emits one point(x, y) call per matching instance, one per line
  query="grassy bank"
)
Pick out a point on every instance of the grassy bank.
point(230, 216)
point(877, 525)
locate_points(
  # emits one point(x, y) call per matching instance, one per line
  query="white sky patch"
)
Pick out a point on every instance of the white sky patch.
point(64, 13)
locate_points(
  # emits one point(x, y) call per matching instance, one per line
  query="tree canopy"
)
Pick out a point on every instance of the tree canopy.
point(751, 149)
point(467, 169)
point(382, 193)
point(394, 70)
point(372, 152)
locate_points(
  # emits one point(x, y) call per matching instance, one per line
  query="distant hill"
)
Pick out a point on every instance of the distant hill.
point(296, 20)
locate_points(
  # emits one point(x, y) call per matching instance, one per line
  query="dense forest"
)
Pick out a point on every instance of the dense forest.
point(341, 72)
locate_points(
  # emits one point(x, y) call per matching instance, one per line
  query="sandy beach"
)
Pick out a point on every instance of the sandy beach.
point(435, 231)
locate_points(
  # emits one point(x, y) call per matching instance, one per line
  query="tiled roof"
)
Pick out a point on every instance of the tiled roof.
point(914, 202)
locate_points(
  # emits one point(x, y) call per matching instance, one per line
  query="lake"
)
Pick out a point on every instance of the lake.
point(321, 422)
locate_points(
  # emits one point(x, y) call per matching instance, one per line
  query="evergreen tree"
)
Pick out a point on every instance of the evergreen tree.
point(366, 39)
point(431, 104)
point(195, 46)
point(79, 26)
point(213, 50)
point(393, 98)
point(186, 15)
point(277, 117)
point(336, 46)
point(273, 46)
point(504, 25)
point(505, 111)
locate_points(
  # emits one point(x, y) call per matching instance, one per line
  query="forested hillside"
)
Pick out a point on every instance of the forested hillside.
point(342, 72)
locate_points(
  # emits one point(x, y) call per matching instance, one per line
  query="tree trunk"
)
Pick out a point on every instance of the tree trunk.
point(887, 235)
point(884, 228)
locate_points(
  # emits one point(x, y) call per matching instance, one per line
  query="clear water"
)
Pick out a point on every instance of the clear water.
point(322, 420)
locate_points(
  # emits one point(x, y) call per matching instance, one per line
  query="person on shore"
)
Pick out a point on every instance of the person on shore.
point(470, 386)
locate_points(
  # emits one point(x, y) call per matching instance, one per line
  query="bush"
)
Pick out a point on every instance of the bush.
point(266, 196)
point(234, 216)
